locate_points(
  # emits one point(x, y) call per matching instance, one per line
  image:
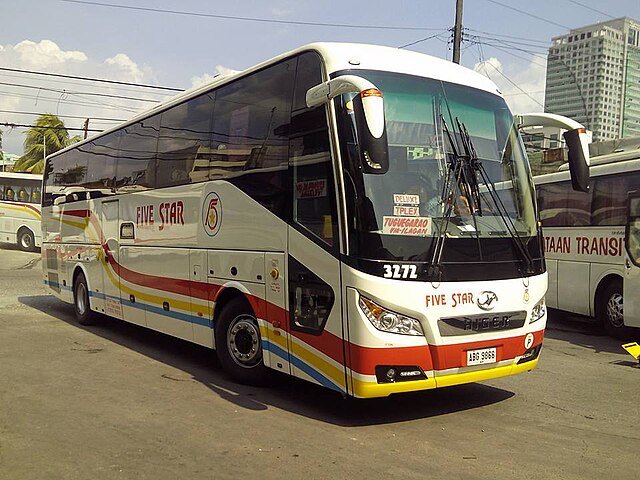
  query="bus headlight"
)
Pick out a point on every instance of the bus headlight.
point(538, 311)
point(388, 321)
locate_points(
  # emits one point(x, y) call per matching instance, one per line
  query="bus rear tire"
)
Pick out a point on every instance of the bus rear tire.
point(239, 344)
point(26, 240)
point(84, 314)
point(609, 311)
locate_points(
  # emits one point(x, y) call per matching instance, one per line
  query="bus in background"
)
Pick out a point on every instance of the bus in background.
point(589, 240)
point(20, 209)
point(330, 214)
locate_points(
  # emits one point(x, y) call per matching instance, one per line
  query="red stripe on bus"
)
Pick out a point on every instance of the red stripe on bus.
point(25, 205)
point(78, 213)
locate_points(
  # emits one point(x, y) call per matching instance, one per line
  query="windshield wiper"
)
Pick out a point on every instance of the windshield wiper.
point(478, 167)
point(464, 170)
point(454, 175)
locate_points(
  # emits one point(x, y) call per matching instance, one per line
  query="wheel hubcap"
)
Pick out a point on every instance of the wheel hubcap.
point(81, 303)
point(26, 241)
point(243, 342)
point(614, 310)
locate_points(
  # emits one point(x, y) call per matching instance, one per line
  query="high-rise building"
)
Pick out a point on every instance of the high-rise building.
point(593, 76)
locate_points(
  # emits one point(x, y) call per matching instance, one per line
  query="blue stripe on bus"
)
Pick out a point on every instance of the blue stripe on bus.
point(266, 345)
point(185, 317)
point(302, 365)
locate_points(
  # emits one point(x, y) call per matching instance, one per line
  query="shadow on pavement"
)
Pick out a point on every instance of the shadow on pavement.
point(285, 392)
point(582, 331)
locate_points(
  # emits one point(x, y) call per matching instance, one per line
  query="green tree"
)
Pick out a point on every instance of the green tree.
point(47, 136)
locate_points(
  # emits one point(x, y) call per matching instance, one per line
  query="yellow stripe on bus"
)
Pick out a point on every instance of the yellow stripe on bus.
point(23, 210)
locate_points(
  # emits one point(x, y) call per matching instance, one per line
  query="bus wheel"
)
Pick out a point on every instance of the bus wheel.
point(26, 241)
point(238, 344)
point(610, 311)
point(84, 314)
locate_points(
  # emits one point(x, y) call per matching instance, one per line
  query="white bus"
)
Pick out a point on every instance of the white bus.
point(20, 209)
point(313, 246)
point(587, 239)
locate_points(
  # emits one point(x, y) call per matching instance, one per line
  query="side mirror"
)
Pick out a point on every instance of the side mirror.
point(578, 158)
point(368, 108)
point(576, 139)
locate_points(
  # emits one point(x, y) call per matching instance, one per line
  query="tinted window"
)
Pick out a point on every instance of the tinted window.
point(308, 74)
point(137, 153)
point(184, 145)
point(561, 206)
point(20, 190)
point(310, 158)
point(101, 169)
point(64, 170)
point(250, 139)
point(610, 198)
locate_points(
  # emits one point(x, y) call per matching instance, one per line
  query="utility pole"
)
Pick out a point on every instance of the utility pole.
point(86, 127)
point(457, 32)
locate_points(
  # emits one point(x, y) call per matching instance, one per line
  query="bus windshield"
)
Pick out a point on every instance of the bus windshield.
point(399, 213)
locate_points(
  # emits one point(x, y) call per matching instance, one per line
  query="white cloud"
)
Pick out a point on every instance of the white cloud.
point(126, 67)
point(67, 97)
point(205, 78)
point(530, 80)
point(44, 54)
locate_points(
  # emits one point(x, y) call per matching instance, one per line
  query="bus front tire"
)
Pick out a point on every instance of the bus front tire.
point(84, 314)
point(26, 240)
point(239, 344)
point(610, 311)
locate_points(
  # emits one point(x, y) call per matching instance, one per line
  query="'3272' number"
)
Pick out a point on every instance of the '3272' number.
point(400, 271)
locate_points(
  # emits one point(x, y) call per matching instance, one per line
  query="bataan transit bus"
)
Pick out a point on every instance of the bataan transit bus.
point(591, 241)
point(348, 239)
point(20, 209)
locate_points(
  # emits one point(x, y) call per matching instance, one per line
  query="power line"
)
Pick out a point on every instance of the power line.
point(62, 100)
point(67, 82)
point(514, 43)
point(65, 116)
point(247, 19)
point(518, 56)
point(591, 8)
point(422, 40)
point(519, 11)
point(513, 83)
point(20, 125)
point(102, 80)
point(545, 42)
point(68, 92)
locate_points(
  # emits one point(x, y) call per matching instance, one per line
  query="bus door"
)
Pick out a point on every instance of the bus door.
point(315, 313)
point(276, 351)
point(632, 262)
point(109, 220)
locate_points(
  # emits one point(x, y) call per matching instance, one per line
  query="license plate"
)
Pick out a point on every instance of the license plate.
point(480, 357)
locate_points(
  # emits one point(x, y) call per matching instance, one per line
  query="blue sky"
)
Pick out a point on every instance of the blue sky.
point(90, 39)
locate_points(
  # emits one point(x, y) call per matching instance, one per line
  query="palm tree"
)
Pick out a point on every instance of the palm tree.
point(48, 135)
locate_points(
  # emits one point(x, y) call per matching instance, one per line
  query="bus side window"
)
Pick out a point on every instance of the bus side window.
point(610, 198)
point(561, 206)
point(310, 158)
point(250, 126)
point(135, 169)
point(184, 142)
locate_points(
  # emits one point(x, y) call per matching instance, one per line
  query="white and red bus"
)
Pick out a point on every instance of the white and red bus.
point(329, 214)
point(589, 241)
point(20, 209)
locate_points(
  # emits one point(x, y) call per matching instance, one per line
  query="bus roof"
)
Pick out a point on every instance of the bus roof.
point(338, 57)
point(608, 158)
point(619, 162)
